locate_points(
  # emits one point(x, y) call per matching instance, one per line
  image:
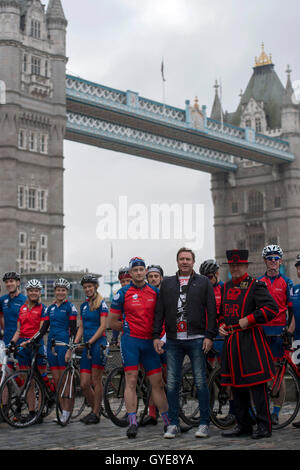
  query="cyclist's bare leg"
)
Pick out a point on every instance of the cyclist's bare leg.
point(130, 390)
point(97, 387)
point(86, 387)
point(158, 392)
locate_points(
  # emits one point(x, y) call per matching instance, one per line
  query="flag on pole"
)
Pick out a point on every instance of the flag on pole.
point(163, 70)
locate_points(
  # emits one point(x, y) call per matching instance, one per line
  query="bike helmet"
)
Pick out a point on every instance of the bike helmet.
point(155, 268)
point(270, 250)
point(210, 266)
point(297, 261)
point(11, 275)
point(123, 272)
point(34, 284)
point(61, 282)
point(89, 279)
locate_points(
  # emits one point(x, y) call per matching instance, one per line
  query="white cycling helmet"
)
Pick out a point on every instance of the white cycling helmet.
point(270, 250)
point(61, 282)
point(34, 284)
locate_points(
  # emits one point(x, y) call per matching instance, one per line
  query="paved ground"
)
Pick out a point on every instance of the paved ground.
point(107, 436)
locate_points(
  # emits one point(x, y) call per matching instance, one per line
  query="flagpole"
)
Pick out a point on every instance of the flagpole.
point(163, 84)
point(221, 104)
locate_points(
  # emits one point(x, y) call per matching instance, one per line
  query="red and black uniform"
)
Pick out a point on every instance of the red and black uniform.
point(246, 358)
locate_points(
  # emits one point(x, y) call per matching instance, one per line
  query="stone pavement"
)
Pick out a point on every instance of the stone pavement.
point(107, 436)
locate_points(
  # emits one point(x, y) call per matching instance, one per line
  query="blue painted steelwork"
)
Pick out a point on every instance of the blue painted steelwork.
point(134, 138)
point(92, 97)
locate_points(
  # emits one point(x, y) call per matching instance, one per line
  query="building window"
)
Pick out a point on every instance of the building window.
point(46, 68)
point(22, 139)
point(25, 63)
point(248, 123)
point(273, 241)
point(21, 197)
point(22, 238)
point(42, 200)
point(44, 143)
point(35, 29)
point(32, 202)
point(256, 242)
point(277, 202)
point(257, 124)
point(241, 245)
point(234, 207)
point(44, 241)
point(35, 65)
point(32, 251)
point(33, 142)
point(22, 255)
point(255, 203)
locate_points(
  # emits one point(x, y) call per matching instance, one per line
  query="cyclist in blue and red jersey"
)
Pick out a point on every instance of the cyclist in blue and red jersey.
point(92, 329)
point(210, 269)
point(154, 276)
point(136, 303)
point(296, 309)
point(10, 304)
point(30, 320)
point(61, 318)
point(124, 277)
point(280, 287)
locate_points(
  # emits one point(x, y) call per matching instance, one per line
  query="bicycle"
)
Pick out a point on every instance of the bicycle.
point(6, 356)
point(219, 397)
point(114, 401)
point(24, 396)
point(69, 396)
point(289, 374)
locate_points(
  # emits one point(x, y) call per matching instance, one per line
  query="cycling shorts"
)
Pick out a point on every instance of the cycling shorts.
point(275, 342)
point(137, 351)
point(57, 361)
point(25, 356)
point(98, 358)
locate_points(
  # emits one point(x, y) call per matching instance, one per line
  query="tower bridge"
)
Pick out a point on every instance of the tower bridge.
point(252, 153)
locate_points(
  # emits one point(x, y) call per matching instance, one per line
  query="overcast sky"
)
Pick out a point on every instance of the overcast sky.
point(120, 44)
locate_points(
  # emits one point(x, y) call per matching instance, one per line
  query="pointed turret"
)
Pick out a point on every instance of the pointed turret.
point(217, 112)
point(55, 11)
point(57, 24)
point(290, 116)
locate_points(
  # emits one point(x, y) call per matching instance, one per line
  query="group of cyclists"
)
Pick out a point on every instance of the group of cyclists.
point(25, 320)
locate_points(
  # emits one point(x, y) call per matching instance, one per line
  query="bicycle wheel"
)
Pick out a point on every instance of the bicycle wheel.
point(219, 402)
point(114, 401)
point(22, 401)
point(188, 399)
point(143, 393)
point(289, 397)
point(69, 397)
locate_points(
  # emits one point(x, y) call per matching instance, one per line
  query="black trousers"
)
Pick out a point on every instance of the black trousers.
point(242, 404)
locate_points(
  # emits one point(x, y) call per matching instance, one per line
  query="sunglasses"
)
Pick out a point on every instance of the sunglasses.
point(273, 258)
point(210, 276)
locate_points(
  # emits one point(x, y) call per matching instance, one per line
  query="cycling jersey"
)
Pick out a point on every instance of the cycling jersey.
point(30, 319)
point(280, 287)
point(91, 319)
point(9, 308)
point(137, 307)
point(217, 291)
point(218, 345)
point(295, 297)
point(59, 317)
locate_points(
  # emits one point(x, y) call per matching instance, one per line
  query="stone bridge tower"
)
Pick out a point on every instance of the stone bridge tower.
point(32, 127)
point(260, 204)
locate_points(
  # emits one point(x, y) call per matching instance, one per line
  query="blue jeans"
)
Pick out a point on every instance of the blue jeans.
point(176, 351)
